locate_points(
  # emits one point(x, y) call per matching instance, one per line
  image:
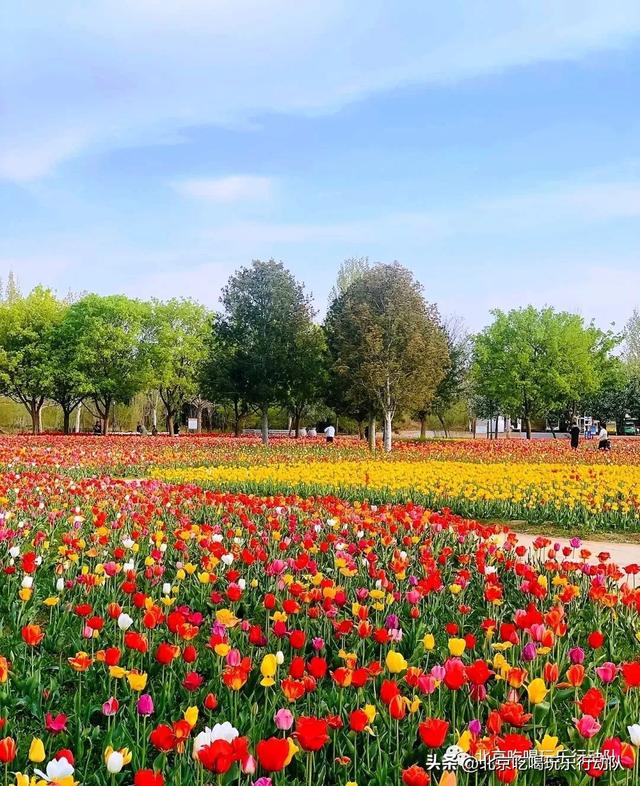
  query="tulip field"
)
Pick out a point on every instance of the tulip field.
point(202, 610)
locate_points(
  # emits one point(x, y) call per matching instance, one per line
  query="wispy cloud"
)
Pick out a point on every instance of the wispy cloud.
point(233, 188)
point(131, 73)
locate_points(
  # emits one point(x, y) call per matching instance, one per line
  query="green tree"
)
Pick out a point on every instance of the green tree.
point(349, 271)
point(266, 312)
point(69, 384)
point(177, 349)
point(307, 375)
point(453, 385)
point(222, 377)
point(533, 363)
point(27, 328)
point(114, 345)
point(386, 341)
point(632, 341)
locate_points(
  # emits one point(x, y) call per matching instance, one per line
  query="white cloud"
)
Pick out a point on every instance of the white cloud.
point(26, 161)
point(234, 188)
point(136, 72)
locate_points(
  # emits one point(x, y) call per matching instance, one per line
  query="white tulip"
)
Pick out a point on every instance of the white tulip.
point(279, 657)
point(634, 734)
point(166, 588)
point(57, 769)
point(27, 582)
point(59, 585)
point(242, 583)
point(115, 762)
point(125, 621)
point(227, 559)
point(14, 551)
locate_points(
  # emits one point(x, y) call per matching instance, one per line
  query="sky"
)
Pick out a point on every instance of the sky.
point(152, 147)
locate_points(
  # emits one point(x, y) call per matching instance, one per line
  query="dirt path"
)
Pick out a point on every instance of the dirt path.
point(621, 553)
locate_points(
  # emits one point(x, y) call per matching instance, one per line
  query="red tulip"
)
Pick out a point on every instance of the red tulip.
point(148, 778)
point(433, 732)
point(311, 733)
point(273, 753)
point(8, 750)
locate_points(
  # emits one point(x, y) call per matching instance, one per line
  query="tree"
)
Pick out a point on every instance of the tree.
point(27, 326)
point(222, 376)
point(266, 313)
point(618, 395)
point(386, 341)
point(69, 382)
point(349, 271)
point(179, 330)
point(632, 341)
point(533, 362)
point(307, 374)
point(451, 387)
point(114, 345)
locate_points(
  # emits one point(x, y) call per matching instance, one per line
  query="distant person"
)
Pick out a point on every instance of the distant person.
point(603, 438)
point(154, 431)
point(97, 428)
point(330, 433)
point(575, 435)
point(139, 428)
point(176, 429)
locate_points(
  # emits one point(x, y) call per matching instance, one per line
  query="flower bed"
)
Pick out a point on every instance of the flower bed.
point(155, 633)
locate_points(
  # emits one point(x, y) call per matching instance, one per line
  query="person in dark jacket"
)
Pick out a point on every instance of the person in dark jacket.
point(575, 435)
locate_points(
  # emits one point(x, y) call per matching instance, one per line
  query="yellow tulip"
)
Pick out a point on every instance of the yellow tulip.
point(268, 669)
point(536, 690)
point(191, 716)
point(395, 662)
point(36, 751)
point(548, 746)
point(137, 680)
point(457, 647)
point(428, 641)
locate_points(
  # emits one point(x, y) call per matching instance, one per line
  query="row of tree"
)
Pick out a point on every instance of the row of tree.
point(383, 352)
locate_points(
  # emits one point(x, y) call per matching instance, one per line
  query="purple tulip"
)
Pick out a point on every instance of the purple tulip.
point(529, 651)
point(144, 705)
point(576, 655)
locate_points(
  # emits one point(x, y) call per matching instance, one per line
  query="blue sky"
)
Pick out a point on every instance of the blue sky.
point(152, 147)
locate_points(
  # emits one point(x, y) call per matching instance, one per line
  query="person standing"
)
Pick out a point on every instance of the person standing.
point(575, 435)
point(330, 433)
point(603, 437)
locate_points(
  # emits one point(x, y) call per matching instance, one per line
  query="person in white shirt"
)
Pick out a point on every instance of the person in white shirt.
point(330, 433)
point(603, 438)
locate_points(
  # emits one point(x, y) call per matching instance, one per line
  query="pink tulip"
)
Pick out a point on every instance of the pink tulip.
point(283, 720)
point(110, 707)
point(144, 705)
point(587, 726)
point(607, 672)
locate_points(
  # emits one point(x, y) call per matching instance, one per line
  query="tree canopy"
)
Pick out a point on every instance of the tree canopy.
point(536, 362)
point(386, 341)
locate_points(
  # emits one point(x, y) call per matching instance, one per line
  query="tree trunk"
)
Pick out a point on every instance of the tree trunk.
point(443, 424)
point(199, 408)
point(360, 430)
point(265, 427)
point(34, 411)
point(78, 414)
point(388, 417)
point(296, 423)
point(170, 423)
point(66, 421)
point(423, 428)
point(527, 423)
point(474, 426)
point(372, 433)
point(497, 425)
point(289, 425)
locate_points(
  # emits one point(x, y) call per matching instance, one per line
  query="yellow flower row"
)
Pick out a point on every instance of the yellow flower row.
point(595, 488)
